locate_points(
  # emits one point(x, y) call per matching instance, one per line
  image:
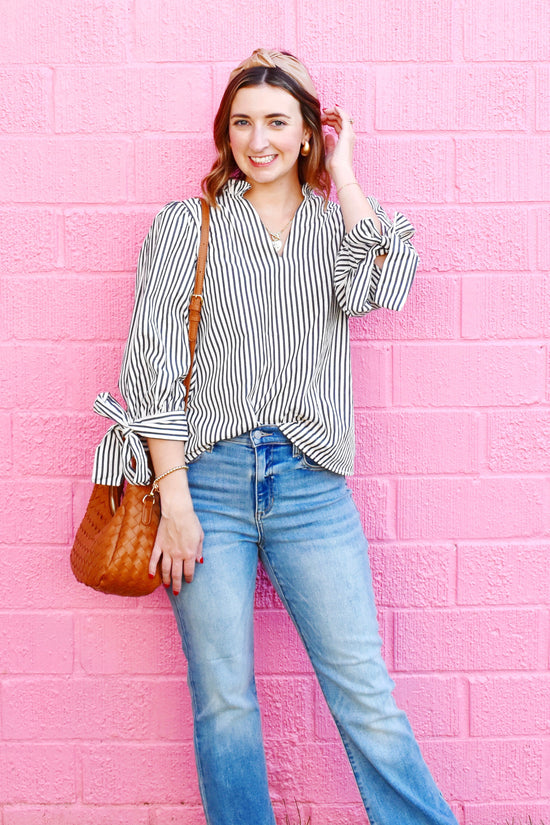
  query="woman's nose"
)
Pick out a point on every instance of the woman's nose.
point(258, 139)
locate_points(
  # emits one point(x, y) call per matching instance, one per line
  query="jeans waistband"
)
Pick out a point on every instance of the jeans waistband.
point(265, 434)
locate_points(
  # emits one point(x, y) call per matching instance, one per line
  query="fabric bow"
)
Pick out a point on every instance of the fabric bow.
point(121, 453)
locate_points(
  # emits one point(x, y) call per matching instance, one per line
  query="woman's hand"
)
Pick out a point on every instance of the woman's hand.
point(178, 545)
point(179, 537)
point(339, 147)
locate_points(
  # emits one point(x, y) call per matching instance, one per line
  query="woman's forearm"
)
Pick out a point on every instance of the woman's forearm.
point(174, 488)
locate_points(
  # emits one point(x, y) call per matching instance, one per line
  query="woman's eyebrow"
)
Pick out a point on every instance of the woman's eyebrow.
point(274, 114)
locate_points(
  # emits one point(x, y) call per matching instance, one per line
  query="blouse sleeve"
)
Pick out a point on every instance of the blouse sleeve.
point(156, 357)
point(360, 285)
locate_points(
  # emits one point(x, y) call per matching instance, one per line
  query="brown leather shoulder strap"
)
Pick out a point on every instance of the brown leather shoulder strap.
point(195, 305)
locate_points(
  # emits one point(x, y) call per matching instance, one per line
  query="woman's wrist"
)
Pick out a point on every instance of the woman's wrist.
point(343, 175)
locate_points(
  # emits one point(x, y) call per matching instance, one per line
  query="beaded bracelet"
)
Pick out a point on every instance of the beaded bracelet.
point(155, 486)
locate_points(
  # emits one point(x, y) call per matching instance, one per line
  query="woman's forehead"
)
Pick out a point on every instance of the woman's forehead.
point(264, 99)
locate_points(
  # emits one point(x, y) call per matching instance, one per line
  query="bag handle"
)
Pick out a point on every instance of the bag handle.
point(195, 304)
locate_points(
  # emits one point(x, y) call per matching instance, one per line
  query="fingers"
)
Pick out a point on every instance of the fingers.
point(337, 118)
point(154, 560)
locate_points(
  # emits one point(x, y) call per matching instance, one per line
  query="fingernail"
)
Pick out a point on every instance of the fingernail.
point(176, 592)
point(166, 585)
point(201, 560)
point(151, 575)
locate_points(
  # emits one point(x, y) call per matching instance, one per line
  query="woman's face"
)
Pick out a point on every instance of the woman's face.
point(266, 132)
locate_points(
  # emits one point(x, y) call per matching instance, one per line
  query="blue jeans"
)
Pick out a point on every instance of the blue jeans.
point(258, 495)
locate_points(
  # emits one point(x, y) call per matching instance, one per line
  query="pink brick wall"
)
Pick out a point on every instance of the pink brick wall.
point(105, 110)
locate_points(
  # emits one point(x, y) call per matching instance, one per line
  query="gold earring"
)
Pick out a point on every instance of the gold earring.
point(306, 148)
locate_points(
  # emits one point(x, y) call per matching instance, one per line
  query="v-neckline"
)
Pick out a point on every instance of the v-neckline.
point(282, 254)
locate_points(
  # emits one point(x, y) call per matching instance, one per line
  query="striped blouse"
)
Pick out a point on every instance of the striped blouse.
point(273, 343)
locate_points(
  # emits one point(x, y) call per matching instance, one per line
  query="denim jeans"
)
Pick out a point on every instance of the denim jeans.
point(257, 495)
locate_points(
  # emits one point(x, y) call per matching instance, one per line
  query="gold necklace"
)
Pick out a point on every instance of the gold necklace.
point(275, 237)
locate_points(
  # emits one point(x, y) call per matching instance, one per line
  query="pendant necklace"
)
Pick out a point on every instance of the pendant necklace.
point(276, 236)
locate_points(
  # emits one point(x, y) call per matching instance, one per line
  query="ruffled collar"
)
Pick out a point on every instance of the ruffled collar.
point(236, 187)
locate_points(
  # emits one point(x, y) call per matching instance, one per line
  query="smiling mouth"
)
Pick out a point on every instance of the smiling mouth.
point(262, 161)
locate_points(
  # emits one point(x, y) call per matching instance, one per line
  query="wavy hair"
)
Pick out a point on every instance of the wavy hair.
point(311, 168)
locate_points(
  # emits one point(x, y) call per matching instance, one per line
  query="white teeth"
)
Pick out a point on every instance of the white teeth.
point(266, 159)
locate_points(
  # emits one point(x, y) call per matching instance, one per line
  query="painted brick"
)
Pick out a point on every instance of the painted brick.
point(133, 99)
point(545, 783)
point(173, 32)
point(375, 501)
point(77, 31)
point(413, 575)
point(91, 708)
point(510, 705)
point(143, 774)
point(385, 38)
point(6, 451)
point(325, 726)
point(25, 100)
point(73, 377)
point(48, 578)
point(503, 169)
point(188, 815)
point(432, 311)
point(376, 159)
point(395, 442)
point(431, 508)
point(371, 370)
point(324, 773)
point(542, 102)
point(507, 306)
point(519, 440)
point(469, 640)
point(506, 812)
point(69, 815)
point(287, 707)
point(128, 642)
point(456, 98)
point(279, 649)
point(266, 596)
point(335, 83)
point(36, 643)
point(491, 30)
point(37, 773)
point(485, 771)
point(43, 517)
point(105, 240)
point(445, 241)
point(169, 169)
point(32, 312)
point(503, 574)
point(543, 238)
point(44, 441)
point(347, 814)
point(433, 704)
point(60, 170)
point(468, 374)
point(33, 244)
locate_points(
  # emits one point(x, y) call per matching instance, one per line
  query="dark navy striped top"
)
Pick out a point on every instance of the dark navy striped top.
point(273, 343)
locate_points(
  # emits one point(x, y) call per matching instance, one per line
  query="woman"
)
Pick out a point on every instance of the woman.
point(256, 466)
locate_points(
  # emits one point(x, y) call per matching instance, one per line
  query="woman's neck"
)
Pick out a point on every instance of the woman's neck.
point(275, 200)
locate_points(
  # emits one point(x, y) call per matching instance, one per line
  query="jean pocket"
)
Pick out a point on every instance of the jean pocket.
point(306, 461)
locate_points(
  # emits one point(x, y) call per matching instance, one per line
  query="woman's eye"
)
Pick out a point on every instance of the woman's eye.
point(240, 122)
point(279, 123)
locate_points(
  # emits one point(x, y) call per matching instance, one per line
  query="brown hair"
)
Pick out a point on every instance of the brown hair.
point(311, 168)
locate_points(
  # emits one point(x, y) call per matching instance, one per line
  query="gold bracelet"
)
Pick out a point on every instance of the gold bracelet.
point(155, 486)
point(351, 183)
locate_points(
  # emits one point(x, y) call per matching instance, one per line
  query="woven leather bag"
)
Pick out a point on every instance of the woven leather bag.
point(115, 540)
point(113, 545)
